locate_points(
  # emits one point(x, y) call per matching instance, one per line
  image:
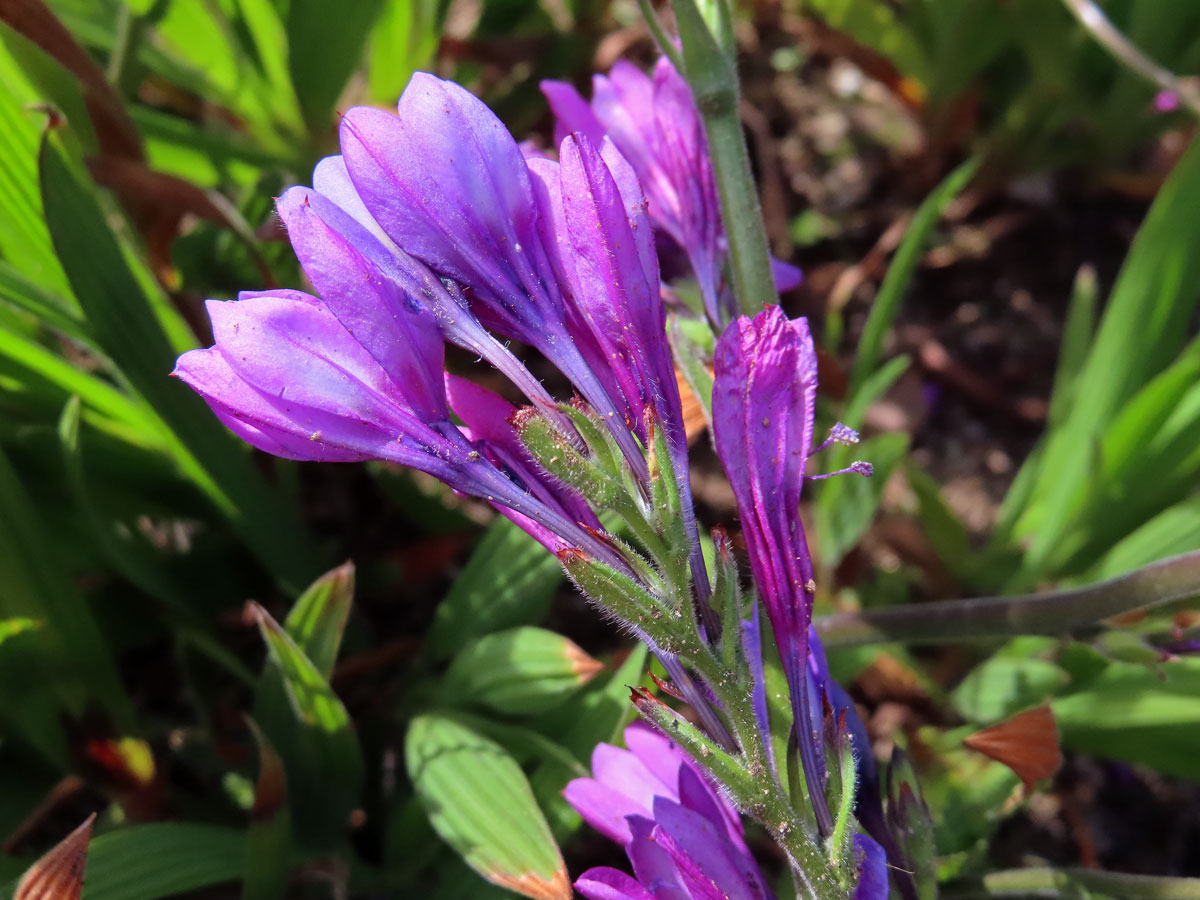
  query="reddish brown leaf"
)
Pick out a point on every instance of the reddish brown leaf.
point(115, 131)
point(694, 421)
point(59, 874)
point(270, 792)
point(1027, 743)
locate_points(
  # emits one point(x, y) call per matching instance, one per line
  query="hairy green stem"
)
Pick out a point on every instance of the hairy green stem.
point(712, 74)
point(1051, 613)
point(766, 802)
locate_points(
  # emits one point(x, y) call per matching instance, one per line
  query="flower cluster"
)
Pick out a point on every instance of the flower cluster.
point(683, 839)
point(433, 227)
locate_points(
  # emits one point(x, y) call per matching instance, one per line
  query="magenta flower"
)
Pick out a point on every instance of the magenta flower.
point(431, 226)
point(682, 838)
point(764, 394)
point(654, 123)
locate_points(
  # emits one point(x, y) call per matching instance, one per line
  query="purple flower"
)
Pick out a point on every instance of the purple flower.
point(654, 123)
point(353, 376)
point(446, 182)
point(684, 841)
point(764, 394)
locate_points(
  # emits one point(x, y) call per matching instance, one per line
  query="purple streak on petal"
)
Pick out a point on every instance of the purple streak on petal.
point(613, 271)
point(489, 428)
point(697, 795)
point(708, 863)
point(763, 401)
point(659, 754)
point(610, 884)
point(683, 151)
point(872, 870)
point(302, 386)
point(787, 277)
point(331, 179)
point(752, 648)
point(603, 807)
point(652, 864)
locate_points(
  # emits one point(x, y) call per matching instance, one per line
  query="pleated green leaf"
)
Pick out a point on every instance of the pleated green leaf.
point(480, 802)
point(520, 671)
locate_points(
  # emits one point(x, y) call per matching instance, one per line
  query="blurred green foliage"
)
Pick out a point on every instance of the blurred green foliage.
point(140, 144)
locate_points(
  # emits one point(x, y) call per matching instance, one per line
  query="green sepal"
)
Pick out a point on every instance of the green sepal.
point(616, 592)
point(556, 454)
point(840, 791)
point(911, 823)
point(744, 789)
point(599, 440)
point(727, 599)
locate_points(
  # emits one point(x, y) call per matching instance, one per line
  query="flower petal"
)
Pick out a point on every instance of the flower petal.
point(610, 884)
point(397, 330)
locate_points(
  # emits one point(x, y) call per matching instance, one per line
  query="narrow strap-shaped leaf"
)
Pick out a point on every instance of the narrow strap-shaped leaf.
point(147, 862)
point(305, 720)
point(122, 319)
point(900, 272)
point(985, 618)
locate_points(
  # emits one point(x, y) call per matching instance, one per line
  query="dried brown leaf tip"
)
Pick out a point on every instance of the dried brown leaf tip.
point(1027, 743)
point(59, 874)
point(557, 887)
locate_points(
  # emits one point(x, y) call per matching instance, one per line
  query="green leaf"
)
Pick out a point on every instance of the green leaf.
point(1141, 332)
point(887, 304)
point(311, 728)
point(403, 41)
point(877, 26)
point(147, 862)
point(318, 619)
point(945, 531)
point(268, 845)
point(480, 802)
point(1002, 686)
point(1076, 341)
point(508, 581)
point(322, 58)
point(602, 711)
point(24, 240)
point(520, 671)
point(74, 659)
point(54, 310)
point(1136, 714)
point(11, 628)
point(129, 326)
point(1174, 530)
